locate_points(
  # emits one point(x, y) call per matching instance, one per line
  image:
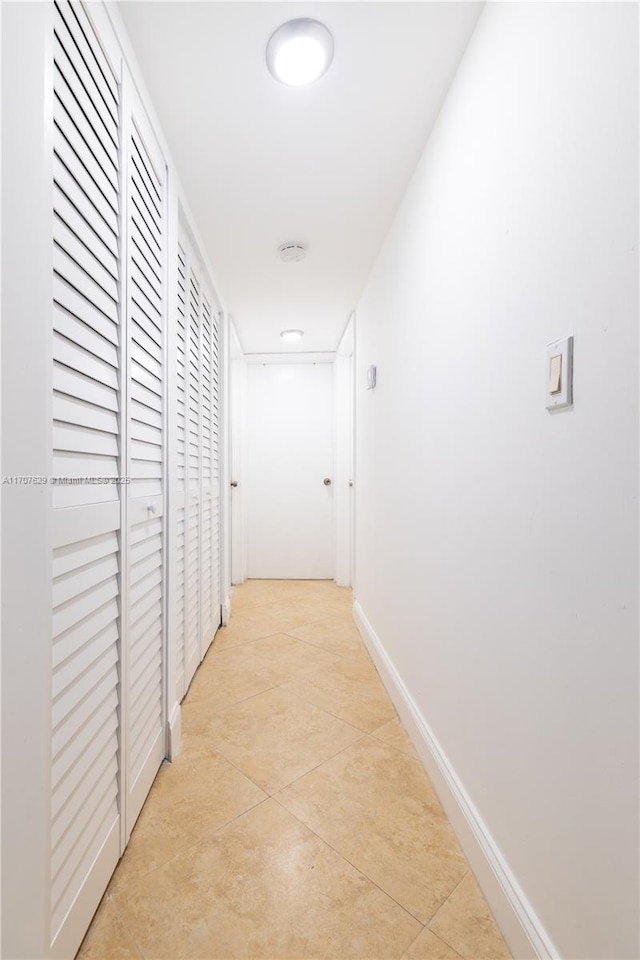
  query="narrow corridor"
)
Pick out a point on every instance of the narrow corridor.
point(297, 822)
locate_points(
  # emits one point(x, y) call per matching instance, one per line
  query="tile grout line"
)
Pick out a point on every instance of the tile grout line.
point(426, 927)
point(423, 923)
point(190, 846)
point(443, 904)
point(357, 869)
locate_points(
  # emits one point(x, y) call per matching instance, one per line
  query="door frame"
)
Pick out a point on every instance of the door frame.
point(345, 455)
point(235, 460)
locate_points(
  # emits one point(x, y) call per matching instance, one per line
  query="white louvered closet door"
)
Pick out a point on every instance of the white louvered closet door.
point(196, 511)
point(215, 469)
point(145, 600)
point(193, 518)
point(85, 828)
point(179, 494)
point(210, 525)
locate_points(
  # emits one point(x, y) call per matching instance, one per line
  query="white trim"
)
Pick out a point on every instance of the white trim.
point(237, 388)
point(344, 433)
point(171, 505)
point(224, 465)
point(174, 738)
point(226, 611)
point(521, 928)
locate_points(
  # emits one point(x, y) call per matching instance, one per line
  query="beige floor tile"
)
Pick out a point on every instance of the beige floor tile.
point(427, 946)
point(336, 634)
point(232, 636)
point(375, 806)
point(349, 688)
point(262, 607)
point(260, 622)
point(267, 888)
point(275, 738)
point(465, 923)
point(228, 676)
point(190, 799)
point(215, 870)
point(108, 937)
point(394, 734)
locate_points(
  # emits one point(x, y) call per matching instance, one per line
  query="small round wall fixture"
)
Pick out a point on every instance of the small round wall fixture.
point(299, 52)
point(292, 334)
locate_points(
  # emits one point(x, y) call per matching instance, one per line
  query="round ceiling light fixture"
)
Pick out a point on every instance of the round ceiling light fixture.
point(292, 334)
point(299, 52)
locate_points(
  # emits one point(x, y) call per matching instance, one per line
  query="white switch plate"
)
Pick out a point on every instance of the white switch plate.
point(563, 397)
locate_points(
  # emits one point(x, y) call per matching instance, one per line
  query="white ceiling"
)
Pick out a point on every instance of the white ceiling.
point(262, 163)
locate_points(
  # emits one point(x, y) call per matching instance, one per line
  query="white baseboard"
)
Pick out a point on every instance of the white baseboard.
point(525, 936)
point(226, 611)
point(175, 733)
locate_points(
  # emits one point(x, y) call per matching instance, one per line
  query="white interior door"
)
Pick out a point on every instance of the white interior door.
point(192, 637)
point(196, 502)
point(144, 725)
point(179, 493)
point(87, 442)
point(210, 479)
point(289, 506)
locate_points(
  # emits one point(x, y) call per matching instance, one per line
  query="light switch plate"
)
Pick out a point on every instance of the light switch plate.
point(559, 374)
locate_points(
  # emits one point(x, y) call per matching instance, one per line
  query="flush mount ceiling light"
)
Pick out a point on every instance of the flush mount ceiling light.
point(292, 334)
point(299, 52)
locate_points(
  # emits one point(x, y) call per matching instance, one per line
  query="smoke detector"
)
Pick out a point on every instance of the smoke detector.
point(292, 252)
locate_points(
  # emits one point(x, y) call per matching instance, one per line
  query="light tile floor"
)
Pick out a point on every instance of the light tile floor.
point(297, 823)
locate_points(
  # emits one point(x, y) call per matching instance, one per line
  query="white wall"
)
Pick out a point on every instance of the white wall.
point(497, 553)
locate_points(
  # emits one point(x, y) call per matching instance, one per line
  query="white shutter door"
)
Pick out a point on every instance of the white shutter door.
point(85, 831)
point(192, 639)
point(209, 571)
point(215, 469)
point(146, 243)
point(181, 478)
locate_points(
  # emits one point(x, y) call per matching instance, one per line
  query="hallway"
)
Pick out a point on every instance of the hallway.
point(296, 822)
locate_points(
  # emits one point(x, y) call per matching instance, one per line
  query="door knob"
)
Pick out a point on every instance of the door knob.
point(234, 483)
point(327, 481)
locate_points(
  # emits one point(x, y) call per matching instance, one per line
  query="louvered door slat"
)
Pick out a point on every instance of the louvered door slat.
point(66, 240)
point(94, 88)
point(73, 18)
point(79, 226)
point(144, 356)
point(85, 829)
point(76, 184)
point(101, 339)
point(143, 244)
point(77, 81)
